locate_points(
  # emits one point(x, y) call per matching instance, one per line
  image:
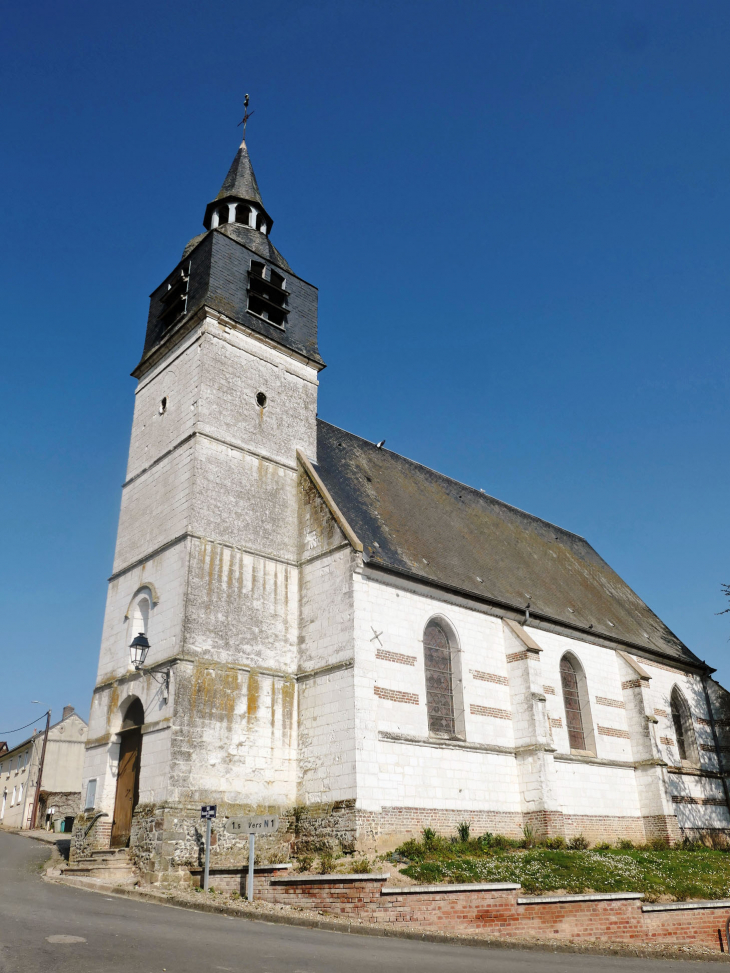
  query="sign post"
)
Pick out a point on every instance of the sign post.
point(256, 824)
point(251, 855)
point(207, 813)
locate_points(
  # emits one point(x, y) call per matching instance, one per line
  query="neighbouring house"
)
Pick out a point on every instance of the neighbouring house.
point(345, 637)
point(60, 785)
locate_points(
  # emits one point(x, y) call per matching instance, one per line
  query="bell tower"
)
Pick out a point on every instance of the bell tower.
point(206, 554)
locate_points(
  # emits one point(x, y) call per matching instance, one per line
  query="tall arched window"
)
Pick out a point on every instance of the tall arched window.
point(683, 727)
point(439, 680)
point(575, 700)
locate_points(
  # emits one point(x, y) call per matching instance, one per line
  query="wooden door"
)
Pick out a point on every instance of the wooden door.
point(127, 786)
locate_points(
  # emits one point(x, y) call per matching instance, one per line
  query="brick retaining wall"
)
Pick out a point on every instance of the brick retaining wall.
point(497, 909)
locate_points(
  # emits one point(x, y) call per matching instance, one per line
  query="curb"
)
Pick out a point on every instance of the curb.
point(689, 954)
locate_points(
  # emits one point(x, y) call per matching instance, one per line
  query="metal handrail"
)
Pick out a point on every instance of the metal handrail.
point(99, 814)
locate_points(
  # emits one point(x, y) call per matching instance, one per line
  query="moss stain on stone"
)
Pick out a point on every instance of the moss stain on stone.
point(288, 688)
point(252, 699)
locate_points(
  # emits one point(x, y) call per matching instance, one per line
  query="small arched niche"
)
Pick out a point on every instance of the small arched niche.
point(684, 732)
point(577, 705)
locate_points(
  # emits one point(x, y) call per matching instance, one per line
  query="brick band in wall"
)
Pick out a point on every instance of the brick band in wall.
point(549, 690)
point(489, 677)
point(556, 722)
point(708, 747)
point(605, 701)
point(387, 656)
point(517, 656)
point(688, 799)
point(498, 714)
point(396, 695)
point(667, 741)
point(661, 712)
point(631, 684)
point(610, 731)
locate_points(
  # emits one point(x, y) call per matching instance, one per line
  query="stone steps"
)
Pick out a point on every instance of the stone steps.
point(109, 865)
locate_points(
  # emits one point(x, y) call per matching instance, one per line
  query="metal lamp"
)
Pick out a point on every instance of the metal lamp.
point(138, 649)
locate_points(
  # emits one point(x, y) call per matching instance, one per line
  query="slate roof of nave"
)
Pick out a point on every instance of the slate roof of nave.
point(420, 523)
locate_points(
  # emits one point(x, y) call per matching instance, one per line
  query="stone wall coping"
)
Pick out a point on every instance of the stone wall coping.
point(240, 868)
point(466, 887)
point(694, 904)
point(591, 897)
point(332, 879)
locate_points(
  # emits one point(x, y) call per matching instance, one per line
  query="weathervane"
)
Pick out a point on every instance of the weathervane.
point(246, 115)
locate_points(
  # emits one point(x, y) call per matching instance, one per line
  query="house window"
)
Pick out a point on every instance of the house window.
point(683, 728)
point(90, 795)
point(12, 799)
point(575, 700)
point(267, 298)
point(20, 794)
point(439, 680)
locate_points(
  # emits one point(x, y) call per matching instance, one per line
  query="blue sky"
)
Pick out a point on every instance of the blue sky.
point(517, 216)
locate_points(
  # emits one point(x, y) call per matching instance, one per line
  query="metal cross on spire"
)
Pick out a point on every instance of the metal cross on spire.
point(246, 115)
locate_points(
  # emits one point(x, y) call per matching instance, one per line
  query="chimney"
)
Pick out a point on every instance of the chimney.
point(67, 711)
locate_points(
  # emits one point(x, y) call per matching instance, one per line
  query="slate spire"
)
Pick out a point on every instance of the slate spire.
point(239, 187)
point(241, 180)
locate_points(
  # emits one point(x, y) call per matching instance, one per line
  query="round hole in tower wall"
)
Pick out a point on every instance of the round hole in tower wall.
point(260, 400)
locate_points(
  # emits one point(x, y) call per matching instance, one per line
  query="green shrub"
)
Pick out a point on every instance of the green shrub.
point(360, 866)
point(528, 836)
point(501, 841)
point(429, 838)
point(659, 844)
point(305, 862)
point(625, 844)
point(326, 863)
point(578, 843)
point(463, 829)
point(555, 844)
point(602, 846)
point(486, 840)
point(411, 849)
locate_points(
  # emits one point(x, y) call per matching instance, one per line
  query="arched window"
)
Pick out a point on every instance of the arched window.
point(439, 680)
point(575, 700)
point(260, 225)
point(683, 728)
point(222, 215)
point(243, 214)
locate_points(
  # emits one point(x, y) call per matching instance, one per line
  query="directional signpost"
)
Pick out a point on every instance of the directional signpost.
point(253, 825)
point(207, 813)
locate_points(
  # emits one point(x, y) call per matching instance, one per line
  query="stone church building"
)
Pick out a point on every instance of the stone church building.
point(346, 637)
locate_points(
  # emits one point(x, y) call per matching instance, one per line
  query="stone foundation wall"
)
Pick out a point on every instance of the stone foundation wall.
point(66, 803)
point(84, 841)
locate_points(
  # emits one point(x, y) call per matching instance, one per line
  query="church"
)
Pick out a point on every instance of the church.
point(305, 623)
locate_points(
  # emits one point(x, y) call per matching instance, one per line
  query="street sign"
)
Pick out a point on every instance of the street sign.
point(255, 824)
point(207, 811)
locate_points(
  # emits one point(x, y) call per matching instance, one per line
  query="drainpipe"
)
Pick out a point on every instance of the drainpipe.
point(716, 742)
point(39, 778)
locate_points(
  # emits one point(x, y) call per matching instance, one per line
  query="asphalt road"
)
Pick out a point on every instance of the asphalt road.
point(116, 935)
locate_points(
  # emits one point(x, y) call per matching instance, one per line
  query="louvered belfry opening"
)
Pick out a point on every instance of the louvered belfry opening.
point(439, 680)
point(571, 698)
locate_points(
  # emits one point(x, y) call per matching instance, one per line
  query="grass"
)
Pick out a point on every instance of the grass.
point(685, 872)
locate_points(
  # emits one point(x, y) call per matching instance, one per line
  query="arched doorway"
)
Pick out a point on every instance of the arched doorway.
point(130, 753)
